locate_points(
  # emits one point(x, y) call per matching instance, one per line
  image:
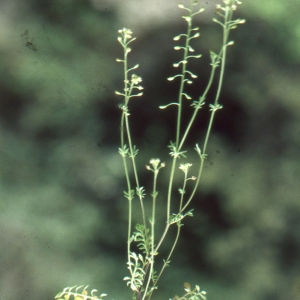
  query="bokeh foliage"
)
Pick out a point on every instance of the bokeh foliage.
point(63, 218)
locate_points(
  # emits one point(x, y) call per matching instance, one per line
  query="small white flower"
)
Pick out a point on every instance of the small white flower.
point(136, 79)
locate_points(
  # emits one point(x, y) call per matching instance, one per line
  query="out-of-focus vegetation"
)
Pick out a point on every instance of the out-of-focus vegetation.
point(63, 217)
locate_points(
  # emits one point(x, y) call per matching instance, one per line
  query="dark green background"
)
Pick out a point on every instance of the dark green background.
point(62, 214)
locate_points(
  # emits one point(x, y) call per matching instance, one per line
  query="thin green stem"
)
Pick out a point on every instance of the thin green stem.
point(152, 254)
point(168, 204)
point(122, 129)
point(170, 254)
point(132, 156)
point(178, 124)
point(182, 82)
point(222, 57)
point(201, 101)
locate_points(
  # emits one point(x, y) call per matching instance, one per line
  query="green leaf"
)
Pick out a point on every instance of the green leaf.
point(140, 192)
point(129, 195)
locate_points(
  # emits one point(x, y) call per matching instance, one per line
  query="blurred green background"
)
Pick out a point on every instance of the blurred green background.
point(63, 216)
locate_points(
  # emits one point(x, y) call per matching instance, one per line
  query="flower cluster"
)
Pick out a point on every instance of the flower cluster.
point(155, 165)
